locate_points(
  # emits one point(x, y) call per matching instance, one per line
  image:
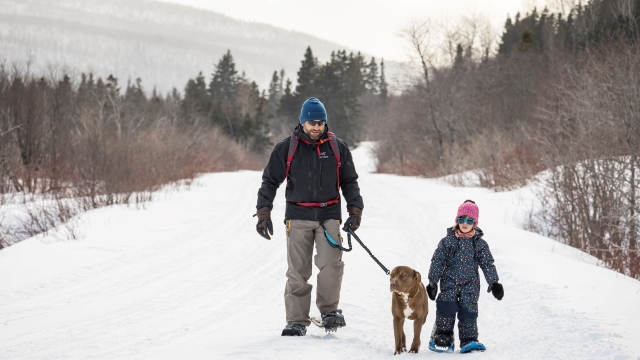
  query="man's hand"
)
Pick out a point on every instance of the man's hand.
point(432, 291)
point(353, 222)
point(264, 222)
point(497, 290)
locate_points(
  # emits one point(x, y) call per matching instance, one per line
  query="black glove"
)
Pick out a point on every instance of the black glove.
point(264, 222)
point(497, 290)
point(353, 222)
point(432, 291)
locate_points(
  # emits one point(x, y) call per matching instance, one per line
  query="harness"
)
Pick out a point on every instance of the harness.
point(293, 144)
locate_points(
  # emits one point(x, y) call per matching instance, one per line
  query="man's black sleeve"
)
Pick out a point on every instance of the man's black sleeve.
point(274, 174)
point(349, 178)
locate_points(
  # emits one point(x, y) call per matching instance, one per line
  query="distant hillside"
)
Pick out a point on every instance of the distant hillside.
point(164, 44)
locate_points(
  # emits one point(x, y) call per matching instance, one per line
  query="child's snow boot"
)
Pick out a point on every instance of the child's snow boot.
point(471, 346)
point(442, 343)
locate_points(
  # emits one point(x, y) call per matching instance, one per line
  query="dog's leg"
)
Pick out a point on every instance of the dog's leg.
point(404, 338)
point(398, 333)
point(417, 329)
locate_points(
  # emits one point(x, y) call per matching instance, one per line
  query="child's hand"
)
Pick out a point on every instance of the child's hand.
point(432, 291)
point(497, 290)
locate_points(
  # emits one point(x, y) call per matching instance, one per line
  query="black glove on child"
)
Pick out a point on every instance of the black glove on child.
point(497, 290)
point(355, 216)
point(432, 291)
point(264, 222)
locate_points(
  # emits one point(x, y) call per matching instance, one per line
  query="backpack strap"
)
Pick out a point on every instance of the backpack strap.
point(293, 144)
point(336, 152)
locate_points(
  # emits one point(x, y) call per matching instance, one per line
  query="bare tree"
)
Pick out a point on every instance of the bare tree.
point(420, 36)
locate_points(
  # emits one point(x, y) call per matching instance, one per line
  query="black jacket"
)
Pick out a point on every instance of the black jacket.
point(455, 264)
point(312, 178)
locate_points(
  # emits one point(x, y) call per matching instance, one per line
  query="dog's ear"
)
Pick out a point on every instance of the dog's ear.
point(417, 276)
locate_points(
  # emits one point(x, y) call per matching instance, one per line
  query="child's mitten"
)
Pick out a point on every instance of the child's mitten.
point(497, 290)
point(432, 291)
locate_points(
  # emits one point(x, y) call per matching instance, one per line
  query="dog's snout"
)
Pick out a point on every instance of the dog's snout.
point(392, 286)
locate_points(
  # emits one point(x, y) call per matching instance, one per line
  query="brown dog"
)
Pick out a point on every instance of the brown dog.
point(409, 300)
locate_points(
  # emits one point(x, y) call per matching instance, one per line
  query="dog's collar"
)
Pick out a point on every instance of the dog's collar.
point(417, 290)
point(409, 296)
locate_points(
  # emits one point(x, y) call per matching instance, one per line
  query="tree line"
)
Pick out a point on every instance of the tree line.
point(85, 142)
point(77, 144)
point(257, 118)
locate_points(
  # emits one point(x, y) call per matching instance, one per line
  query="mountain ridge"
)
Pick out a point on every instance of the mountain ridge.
point(164, 44)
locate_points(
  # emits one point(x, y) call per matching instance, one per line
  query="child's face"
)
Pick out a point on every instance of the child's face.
point(465, 227)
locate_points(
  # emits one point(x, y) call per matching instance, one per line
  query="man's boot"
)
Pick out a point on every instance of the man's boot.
point(333, 320)
point(294, 330)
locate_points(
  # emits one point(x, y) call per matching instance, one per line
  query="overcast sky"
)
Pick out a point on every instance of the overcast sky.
point(370, 26)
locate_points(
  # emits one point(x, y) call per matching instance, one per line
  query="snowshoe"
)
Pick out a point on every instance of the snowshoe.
point(442, 343)
point(331, 321)
point(294, 330)
point(471, 346)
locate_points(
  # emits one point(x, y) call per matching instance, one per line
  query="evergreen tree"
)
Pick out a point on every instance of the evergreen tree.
point(307, 75)
point(175, 95)
point(196, 98)
point(281, 83)
point(135, 93)
point(223, 90)
point(511, 35)
point(384, 88)
point(275, 94)
point(225, 79)
point(289, 108)
point(371, 77)
point(527, 40)
point(259, 134)
point(339, 86)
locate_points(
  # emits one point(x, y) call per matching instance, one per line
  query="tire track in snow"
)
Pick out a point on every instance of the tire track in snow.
point(149, 266)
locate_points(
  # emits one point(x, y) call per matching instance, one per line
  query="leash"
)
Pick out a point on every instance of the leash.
point(350, 232)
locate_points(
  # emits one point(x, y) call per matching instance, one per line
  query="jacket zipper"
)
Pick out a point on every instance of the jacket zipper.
point(315, 188)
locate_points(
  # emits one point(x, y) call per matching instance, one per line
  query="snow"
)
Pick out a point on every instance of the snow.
point(187, 277)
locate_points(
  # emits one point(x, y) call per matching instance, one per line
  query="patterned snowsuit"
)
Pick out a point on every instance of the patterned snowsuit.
point(455, 264)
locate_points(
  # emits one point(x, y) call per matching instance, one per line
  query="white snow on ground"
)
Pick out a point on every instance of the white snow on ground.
point(188, 277)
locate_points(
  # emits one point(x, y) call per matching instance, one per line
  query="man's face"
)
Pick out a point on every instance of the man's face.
point(314, 128)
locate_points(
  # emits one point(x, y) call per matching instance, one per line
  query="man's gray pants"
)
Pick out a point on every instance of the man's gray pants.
point(301, 235)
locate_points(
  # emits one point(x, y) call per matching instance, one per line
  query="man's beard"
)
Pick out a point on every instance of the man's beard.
point(311, 136)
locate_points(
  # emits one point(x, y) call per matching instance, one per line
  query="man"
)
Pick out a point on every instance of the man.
point(316, 166)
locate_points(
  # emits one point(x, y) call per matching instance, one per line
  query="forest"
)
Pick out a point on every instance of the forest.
point(556, 103)
point(556, 108)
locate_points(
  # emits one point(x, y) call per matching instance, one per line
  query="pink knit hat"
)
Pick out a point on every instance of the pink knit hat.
point(470, 209)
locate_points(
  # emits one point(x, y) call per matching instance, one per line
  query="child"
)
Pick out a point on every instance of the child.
point(455, 264)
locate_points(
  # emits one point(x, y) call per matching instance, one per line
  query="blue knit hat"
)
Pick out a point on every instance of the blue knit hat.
point(312, 109)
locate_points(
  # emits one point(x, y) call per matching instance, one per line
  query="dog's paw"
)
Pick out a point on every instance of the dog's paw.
point(399, 351)
point(413, 351)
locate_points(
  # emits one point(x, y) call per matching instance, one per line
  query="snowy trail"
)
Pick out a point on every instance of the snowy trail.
point(188, 277)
